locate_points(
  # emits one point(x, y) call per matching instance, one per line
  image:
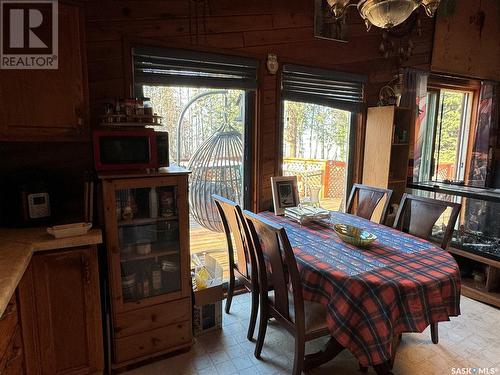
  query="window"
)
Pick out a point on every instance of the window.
point(320, 109)
point(446, 135)
point(205, 101)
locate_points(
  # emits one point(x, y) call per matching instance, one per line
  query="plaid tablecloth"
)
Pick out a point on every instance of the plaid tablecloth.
point(399, 283)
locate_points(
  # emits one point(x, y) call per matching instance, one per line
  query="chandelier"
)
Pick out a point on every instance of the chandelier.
point(383, 13)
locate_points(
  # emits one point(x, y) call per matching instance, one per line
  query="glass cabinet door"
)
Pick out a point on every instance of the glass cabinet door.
point(148, 241)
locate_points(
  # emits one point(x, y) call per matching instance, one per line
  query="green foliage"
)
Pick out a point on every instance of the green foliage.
point(451, 120)
point(315, 131)
point(310, 131)
point(203, 118)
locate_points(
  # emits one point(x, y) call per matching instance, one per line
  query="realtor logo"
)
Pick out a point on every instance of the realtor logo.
point(28, 34)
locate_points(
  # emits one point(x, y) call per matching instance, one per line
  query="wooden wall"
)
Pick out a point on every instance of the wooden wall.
point(60, 164)
point(252, 28)
point(462, 46)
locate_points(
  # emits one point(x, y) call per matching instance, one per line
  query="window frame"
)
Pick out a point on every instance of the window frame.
point(356, 129)
point(470, 86)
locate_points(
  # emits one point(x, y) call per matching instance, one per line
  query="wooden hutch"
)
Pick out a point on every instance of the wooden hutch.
point(147, 240)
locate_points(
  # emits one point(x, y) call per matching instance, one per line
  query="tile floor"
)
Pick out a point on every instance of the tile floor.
point(470, 341)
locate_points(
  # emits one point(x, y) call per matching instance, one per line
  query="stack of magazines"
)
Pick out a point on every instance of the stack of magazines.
point(305, 214)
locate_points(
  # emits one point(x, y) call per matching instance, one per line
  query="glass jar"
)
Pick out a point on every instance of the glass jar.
point(148, 107)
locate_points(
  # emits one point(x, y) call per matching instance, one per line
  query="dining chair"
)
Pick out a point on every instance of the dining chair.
point(368, 198)
point(234, 228)
point(417, 216)
point(276, 264)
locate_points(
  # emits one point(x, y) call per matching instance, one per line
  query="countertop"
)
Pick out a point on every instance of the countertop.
point(486, 194)
point(17, 247)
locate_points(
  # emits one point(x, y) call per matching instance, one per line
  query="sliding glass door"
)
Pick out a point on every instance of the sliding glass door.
point(319, 113)
point(207, 134)
point(316, 149)
point(205, 101)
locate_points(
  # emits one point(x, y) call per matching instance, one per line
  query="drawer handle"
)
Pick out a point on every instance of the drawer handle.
point(155, 341)
point(9, 310)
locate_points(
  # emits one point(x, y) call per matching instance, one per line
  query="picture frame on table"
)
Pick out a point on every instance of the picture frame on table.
point(285, 193)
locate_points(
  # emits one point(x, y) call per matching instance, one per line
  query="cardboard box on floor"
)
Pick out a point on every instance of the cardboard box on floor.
point(208, 294)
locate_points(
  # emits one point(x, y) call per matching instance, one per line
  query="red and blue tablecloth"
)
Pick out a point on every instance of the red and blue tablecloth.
point(400, 283)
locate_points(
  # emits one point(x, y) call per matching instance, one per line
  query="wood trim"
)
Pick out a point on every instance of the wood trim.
point(84, 66)
point(359, 151)
point(453, 82)
point(472, 131)
point(256, 143)
point(468, 290)
point(280, 112)
point(128, 68)
point(478, 258)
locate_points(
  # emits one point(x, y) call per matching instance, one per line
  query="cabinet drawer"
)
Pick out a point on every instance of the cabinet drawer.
point(152, 342)
point(153, 317)
point(8, 323)
point(12, 361)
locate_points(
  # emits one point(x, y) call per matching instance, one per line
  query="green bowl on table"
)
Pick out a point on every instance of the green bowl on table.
point(354, 235)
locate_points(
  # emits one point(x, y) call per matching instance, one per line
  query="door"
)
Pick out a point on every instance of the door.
point(209, 133)
point(317, 148)
point(49, 104)
point(60, 313)
point(148, 243)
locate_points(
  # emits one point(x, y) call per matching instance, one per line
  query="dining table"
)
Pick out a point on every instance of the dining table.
point(399, 283)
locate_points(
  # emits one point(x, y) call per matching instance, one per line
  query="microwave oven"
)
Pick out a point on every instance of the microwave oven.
point(130, 149)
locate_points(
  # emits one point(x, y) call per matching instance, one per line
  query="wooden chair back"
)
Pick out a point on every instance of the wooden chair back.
point(277, 267)
point(234, 228)
point(417, 216)
point(368, 198)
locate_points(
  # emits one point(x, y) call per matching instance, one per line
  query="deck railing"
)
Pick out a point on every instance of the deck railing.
point(327, 174)
point(330, 175)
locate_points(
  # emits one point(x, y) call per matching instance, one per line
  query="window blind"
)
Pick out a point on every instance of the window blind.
point(326, 87)
point(162, 66)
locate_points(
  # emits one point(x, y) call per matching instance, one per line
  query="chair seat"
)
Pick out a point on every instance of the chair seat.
point(315, 314)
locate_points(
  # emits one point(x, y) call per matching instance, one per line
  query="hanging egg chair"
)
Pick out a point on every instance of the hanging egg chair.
point(216, 169)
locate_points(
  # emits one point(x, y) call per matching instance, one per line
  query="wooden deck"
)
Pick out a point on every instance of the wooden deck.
point(205, 241)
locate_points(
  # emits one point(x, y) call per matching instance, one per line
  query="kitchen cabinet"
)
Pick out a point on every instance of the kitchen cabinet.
point(11, 345)
point(46, 104)
point(60, 313)
point(147, 240)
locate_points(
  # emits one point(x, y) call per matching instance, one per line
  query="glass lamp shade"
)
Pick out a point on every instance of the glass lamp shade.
point(386, 13)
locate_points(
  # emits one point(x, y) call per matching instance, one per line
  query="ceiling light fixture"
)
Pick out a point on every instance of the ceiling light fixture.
point(383, 13)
